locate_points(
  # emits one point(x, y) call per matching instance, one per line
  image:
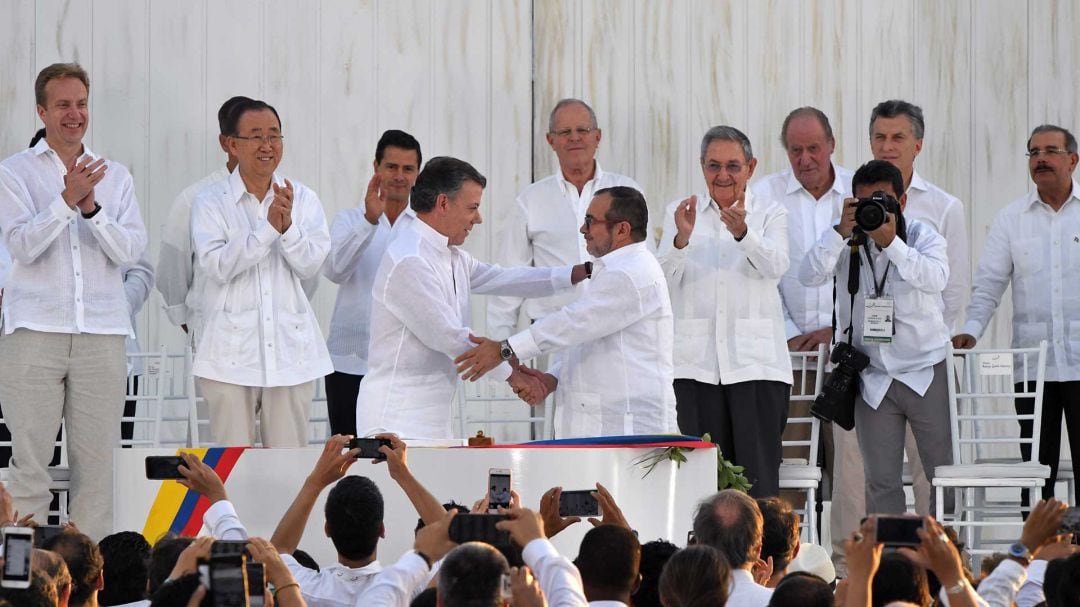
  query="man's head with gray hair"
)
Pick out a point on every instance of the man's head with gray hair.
point(1070, 139)
point(896, 135)
point(898, 107)
point(569, 101)
point(574, 136)
point(731, 522)
point(727, 133)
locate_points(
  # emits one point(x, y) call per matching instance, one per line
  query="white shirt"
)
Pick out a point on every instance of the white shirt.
point(614, 343)
point(917, 273)
point(806, 309)
point(5, 264)
point(945, 213)
point(260, 329)
point(334, 585)
point(1038, 250)
point(419, 313)
point(999, 589)
point(1031, 591)
point(745, 592)
point(180, 286)
point(356, 248)
point(729, 323)
point(559, 578)
point(65, 275)
point(138, 281)
point(542, 230)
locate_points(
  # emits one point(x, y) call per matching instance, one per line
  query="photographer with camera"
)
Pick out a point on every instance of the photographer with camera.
point(893, 274)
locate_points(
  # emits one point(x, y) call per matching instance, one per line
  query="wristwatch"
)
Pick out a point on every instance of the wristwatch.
point(505, 351)
point(588, 269)
point(1021, 552)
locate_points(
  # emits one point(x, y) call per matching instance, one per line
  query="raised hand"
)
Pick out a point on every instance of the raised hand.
point(734, 217)
point(374, 200)
point(685, 217)
point(281, 205)
point(80, 181)
point(473, 364)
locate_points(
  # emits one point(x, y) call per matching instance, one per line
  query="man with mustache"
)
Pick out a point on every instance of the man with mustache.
point(1035, 243)
point(723, 253)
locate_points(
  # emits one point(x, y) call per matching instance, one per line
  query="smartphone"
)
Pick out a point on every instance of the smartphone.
point(256, 583)
point(369, 447)
point(18, 549)
point(228, 581)
point(43, 533)
point(498, 489)
point(578, 503)
point(1070, 523)
point(228, 548)
point(478, 528)
point(163, 467)
point(898, 529)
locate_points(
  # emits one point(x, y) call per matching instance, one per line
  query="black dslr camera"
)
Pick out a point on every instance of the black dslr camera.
point(871, 213)
point(836, 403)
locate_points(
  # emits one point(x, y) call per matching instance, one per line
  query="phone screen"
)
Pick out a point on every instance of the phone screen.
point(498, 490)
point(256, 583)
point(578, 503)
point(18, 548)
point(228, 584)
point(163, 467)
point(43, 533)
point(369, 447)
point(478, 528)
point(899, 530)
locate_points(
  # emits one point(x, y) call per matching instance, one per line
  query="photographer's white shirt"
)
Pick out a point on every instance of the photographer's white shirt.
point(918, 272)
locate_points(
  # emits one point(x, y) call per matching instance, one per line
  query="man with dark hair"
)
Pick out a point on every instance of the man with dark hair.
point(724, 253)
point(780, 536)
point(654, 555)
point(358, 239)
point(471, 574)
point(85, 564)
point(731, 522)
point(127, 562)
point(421, 305)
point(162, 560)
point(178, 279)
point(541, 229)
point(1030, 245)
point(896, 320)
point(258, 237)
point(802, 590)
point(608, 560)
point(71, 224)
point(613, 372)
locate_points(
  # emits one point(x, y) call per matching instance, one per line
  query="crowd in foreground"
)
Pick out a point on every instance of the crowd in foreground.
point(742, 552)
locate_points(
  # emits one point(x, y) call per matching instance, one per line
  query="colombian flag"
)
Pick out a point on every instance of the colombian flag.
point(178, 510)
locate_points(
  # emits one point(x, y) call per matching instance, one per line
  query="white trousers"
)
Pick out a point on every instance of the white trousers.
point(283, 413)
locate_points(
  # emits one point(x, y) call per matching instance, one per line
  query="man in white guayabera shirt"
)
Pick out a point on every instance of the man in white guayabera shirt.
point(71, 223)
point(258, 237)
point(421, 306)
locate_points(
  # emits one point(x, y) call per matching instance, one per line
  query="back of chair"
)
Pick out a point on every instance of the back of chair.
point(809, 373)
point(983, 385)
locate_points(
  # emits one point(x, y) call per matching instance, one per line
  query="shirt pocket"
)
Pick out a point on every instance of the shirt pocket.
point(292, 330)
point(1029, 334)
point(692, 337)
point(1027, 255)
point(237, 339)
point(754, 341)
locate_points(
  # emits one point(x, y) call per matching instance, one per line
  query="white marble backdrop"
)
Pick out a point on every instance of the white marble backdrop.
point(476, 79)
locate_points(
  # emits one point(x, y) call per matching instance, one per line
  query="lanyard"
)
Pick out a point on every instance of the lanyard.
point(878, 287)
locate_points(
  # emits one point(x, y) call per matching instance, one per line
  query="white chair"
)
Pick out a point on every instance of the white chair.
point(153, 385)
point(803, 473)
point(318, 417)
point(493, 396)
point(984, 425)
point(1065, 474)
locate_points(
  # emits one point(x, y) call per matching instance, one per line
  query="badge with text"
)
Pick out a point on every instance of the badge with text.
point(996, 363)
point(878, 320)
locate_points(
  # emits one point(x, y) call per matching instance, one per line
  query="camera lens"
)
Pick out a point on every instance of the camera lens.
point(869, 215)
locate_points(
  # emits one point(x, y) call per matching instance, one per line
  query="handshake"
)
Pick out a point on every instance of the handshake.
point(530, 385)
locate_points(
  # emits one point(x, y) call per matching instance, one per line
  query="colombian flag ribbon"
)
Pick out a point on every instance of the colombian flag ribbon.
point(178, 510)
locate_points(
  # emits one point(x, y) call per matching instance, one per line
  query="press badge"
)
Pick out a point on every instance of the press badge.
point(878, 320)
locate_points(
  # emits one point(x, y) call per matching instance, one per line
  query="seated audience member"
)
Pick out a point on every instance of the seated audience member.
point(54, 570)
point(127, 561)
point(654, 555)
point(695, 576)
point(39, 594)
point(85, 564)
point(813, 559)
point(802, 590)
point(780, 537)
point(731, 522)
point(900, 579)
point(608, 559)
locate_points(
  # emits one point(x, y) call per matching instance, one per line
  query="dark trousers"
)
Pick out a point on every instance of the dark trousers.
point(127, 429)
point(1059, 397)
point(341, 391)
point(746, 420)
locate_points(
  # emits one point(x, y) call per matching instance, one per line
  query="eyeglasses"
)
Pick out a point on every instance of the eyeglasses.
point(1036, 152)
point(590, 221)
point(263, 139)
point(580, 132)
point(733, 168)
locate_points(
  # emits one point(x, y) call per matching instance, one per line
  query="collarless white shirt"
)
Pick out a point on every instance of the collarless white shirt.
point(356, 248)
point(542, 230)
point(743, 591)
point(180, 285)
point(1038, 251)
point(945, 213)
point(260, 329)
point(333, 585)
point(66, 270)
point(729, 323)
point(805, 308)
point(917, 273)
point(420, 307)
point(614, 350)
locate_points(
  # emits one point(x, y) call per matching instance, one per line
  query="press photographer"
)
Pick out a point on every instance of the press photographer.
point(890, 275)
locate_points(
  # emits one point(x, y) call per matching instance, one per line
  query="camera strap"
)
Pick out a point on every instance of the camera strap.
point(878, 287)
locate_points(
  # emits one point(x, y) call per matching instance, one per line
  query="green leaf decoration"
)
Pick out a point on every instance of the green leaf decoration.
point(728, 475)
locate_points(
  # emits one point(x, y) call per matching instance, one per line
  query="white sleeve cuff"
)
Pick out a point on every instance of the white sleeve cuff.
point(524, 345)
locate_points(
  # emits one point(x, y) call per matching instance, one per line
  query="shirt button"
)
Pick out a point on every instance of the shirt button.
point(269, 345)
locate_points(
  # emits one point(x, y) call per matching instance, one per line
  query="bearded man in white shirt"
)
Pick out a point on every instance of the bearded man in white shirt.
point(258, 237)
point(1034, 243)
point(421, 306)
point(723, 253)
point(71, 223)
point(358, 239)
point(896, 321)
point(542, 228)
point(613, 373)
point(178, 282)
